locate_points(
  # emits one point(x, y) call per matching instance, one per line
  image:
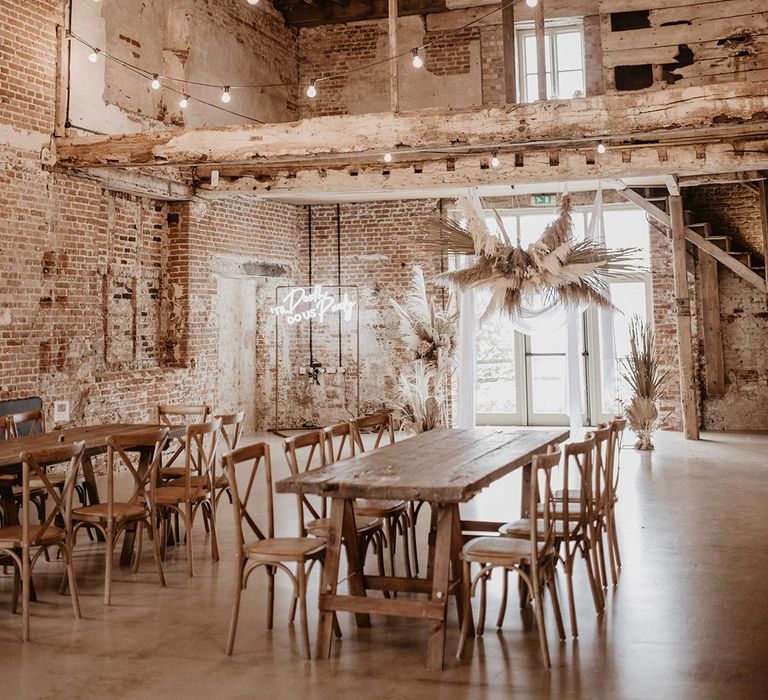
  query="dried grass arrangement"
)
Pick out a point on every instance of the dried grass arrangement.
point(429, 334)
point(646, 378)
point(556, 269)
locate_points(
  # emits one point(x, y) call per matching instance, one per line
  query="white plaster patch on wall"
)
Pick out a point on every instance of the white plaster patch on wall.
point(22, 139)
point(5, 317)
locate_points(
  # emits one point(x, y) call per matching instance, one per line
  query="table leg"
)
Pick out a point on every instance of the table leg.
point(457, 542)
point(446, 514)
point(355, 562)
point(330, 577)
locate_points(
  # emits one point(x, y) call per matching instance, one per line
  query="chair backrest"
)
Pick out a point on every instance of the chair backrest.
point(119, 446)
point(231, 428)
point(600, 468)
point(34, 463)
point(304, 453)
point(618, 424)
point(380, 423)
point(242, 466)
point(341, 441)
point(200, 454)
point(26, 423)
point(542, 496)
point(174, 415)
point(577, 459)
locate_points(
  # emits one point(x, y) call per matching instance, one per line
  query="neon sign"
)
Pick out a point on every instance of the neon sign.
point(302, 304)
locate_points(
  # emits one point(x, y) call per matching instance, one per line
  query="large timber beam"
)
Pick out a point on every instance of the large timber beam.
point(662, 116)
point(699, 241)
point(440, 178)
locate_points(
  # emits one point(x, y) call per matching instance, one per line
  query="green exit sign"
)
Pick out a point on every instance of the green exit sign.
point(543, 199)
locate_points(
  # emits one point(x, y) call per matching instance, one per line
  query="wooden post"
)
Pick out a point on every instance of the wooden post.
point(394, 99)
point(508, 33)
point(683, 318)
point(541, 51)
point(713, 341)
point(62, 80)
point(764, 217)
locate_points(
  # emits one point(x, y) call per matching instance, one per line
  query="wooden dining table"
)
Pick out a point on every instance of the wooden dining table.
point(441, 467)
point(94, 437)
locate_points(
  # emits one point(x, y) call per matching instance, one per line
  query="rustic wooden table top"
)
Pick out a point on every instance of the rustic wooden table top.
point(440, 466)
point(94, 436)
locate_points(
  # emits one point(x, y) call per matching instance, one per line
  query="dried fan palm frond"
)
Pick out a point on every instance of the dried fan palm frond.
point(449, 237)
point(555, 267)
point(419, 398)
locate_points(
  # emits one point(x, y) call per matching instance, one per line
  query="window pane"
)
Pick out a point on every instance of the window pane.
point(531, 88)
point(628, 228)
point(549, 387)
point(570, 84)
point(495, 347)
point(549, 342)
point(569, 51)
point(529, 51)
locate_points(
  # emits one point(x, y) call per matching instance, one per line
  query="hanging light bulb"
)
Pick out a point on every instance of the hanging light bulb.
point(225, 96)
point(387, 157)
point(253, 2)
point(155, 82)
point(94, 55)
point(311, 90)
point(601, 147)
point(495, 160)
point(531, 3)
point(417, 60)
point(184, 102)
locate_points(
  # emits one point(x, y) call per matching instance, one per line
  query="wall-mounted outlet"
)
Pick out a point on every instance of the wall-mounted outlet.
point(341, 370)
point(61, 411)
point(302, 370)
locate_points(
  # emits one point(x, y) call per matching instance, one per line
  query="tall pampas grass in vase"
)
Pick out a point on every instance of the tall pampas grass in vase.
point(647, 380)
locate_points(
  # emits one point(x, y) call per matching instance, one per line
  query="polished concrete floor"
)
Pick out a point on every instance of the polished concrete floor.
point(688, 619)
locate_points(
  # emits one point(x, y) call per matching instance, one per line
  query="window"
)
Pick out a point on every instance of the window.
point(564, 49)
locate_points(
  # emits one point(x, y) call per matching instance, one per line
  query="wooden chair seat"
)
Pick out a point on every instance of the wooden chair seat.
point(167, 473)
point(379, 508)
point(574, 510)
point(321, 526)
point(522, 528)
point(12, 537)
point(173, 495)
point(120, 512)
point(504, 551)
point(296, 549)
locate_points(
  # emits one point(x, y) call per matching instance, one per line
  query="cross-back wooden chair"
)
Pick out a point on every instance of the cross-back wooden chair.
point(112, 517)
point(573, 529)
point(173, 415)
point(24, 543)
point(618, 424)
point(342, 440)
point(600, 494)
point(263, 549)
point(303, 453)
point(193, 491)
point(231, 429)
point(533, 558)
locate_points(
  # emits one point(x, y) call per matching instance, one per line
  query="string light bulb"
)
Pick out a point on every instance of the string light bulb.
point(155, 82)
point(418, 62)
point(225, 96)
point(531, 3)
point(311, 90)
point(601, 147)
point(253, 2)
point(184, 102)
point(94, 55)
point(495, 160)
point(387, 157)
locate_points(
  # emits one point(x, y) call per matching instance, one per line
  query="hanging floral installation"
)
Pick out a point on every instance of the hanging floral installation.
point(556, 269)
point(429, 335)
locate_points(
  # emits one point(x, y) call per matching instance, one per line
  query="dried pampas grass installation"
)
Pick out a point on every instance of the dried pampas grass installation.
point(429, 334)
point(556, 269)
point(646, 379)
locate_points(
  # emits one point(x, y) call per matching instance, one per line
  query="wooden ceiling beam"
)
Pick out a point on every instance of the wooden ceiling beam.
point(302, 14)
point(438, 177)
point(734, 110)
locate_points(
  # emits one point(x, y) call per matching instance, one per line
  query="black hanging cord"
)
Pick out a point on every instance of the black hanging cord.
point(69, 66)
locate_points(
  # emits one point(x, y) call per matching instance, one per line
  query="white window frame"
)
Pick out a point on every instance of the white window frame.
point(551, 29)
